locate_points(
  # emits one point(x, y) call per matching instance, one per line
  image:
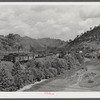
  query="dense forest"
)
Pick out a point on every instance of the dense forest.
point(14, 42)
point(88, 41)
point(15, 76)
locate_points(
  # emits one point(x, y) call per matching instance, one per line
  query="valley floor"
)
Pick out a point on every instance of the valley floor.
point(69, 84)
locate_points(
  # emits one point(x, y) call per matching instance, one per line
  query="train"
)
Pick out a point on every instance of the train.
point(17, 57)
point(25, 57)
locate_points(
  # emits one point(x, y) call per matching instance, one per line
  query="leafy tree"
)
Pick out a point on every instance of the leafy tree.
point(6, 81)
point(6, 47)
point(70, 40)
point(10, 36)
point(32, 49)
point(11, 39)
point(18, 46)
point(27, 77)
point(4, 42)
point(16, 73)
point(53, 71)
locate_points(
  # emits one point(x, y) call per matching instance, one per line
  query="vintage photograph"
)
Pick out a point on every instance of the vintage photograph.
point(53, 48)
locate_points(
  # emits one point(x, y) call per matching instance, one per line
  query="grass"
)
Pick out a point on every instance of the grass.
point(54, 84)
point(91, 78)
point(93, 62)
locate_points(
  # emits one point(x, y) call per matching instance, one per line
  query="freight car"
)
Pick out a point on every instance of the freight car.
point(17, 57)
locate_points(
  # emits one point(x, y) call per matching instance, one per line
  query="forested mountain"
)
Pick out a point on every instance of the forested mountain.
point(87, 40)
point(50, 42)
point(16, 42)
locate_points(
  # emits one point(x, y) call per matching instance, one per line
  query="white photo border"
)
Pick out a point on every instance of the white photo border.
point(56, 94)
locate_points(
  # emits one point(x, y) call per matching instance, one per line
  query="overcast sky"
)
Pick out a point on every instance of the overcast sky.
point(39, 21)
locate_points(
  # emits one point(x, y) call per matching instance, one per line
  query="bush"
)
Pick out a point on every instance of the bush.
point(90, 81)
point(59, 64)
point(72, 61)
point(30, 64)
point(53, 71)
point(14, 77)
point(79, 57)
point(48, 74)
point(27, 77)
point(16, 73)
point(6, 81)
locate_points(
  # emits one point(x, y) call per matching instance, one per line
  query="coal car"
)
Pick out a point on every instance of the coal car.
point(17, 57)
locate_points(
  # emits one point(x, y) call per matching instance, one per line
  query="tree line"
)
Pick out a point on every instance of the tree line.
point(14, 77)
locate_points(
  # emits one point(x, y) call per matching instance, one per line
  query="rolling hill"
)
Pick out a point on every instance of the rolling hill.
point(87, 40)
point(10, 41)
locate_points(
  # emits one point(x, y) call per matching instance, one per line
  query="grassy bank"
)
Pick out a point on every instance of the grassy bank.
point(53, 84)
point(91, 78)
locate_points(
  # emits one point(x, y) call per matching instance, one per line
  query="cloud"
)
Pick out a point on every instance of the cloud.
point(86, 24)
point(39, 21)
point(90, 11)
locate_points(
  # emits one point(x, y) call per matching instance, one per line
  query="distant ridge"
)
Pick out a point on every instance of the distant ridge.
point(12, 40)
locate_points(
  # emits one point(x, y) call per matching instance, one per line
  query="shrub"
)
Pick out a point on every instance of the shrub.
point(59, 64)
point(6, 81)
point(90, 81)
point(79, 57)
point(30, 64)
point(53, 71)
point(72, 61)
point(27, 77)
point(48, 74)
point(16, 73)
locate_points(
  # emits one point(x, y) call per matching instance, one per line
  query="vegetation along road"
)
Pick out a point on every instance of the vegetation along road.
point(79, 81)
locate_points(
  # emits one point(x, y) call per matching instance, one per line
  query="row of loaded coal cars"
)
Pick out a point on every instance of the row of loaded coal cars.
point(22, 57)
point(42, 55)
point(17, 57)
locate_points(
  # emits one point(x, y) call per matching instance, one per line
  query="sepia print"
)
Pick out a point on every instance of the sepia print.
point(53, 48)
